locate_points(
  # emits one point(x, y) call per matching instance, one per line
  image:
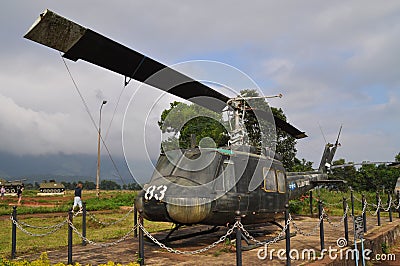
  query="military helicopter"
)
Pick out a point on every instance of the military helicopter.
point(196, 185)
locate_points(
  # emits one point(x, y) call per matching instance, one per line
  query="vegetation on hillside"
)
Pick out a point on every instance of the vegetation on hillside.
point(369, 177)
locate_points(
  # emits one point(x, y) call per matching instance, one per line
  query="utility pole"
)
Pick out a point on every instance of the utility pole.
point(98, 153)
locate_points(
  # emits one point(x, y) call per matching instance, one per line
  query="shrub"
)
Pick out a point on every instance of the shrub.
point(44, 261)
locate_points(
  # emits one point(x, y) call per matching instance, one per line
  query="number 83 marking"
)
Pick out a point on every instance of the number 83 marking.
point(157, 192)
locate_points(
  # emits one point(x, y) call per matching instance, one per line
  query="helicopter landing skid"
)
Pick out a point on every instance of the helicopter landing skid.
point(169, 239)
point(277, 224)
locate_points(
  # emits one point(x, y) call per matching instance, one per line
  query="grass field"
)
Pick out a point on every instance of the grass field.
point(31, 203)
point(111, 207)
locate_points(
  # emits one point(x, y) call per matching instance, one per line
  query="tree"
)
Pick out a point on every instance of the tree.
point(210, 124)
point(182, 120)
point(109, 185)
point(368, 177)
point(89, 185)
point(133, 186)
point(348, 173)
point(301, 165)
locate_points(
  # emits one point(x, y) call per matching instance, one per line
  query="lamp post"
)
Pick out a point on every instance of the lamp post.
point(98, 153)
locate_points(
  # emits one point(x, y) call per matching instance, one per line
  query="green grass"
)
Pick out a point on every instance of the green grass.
point(109, 200)
point(43, 260)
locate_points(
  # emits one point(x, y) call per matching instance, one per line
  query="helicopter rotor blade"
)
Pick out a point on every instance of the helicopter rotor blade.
point(78, 42)
point(283, 125)
point(390, 164)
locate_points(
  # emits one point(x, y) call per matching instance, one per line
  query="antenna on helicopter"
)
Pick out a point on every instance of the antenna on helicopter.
point(238, 134)
point(322, 132)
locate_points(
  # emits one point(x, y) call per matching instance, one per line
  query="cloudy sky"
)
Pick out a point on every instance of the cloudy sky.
point(335, 62)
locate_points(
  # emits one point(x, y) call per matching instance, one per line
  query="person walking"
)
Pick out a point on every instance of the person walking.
point(2, 191)
point(78, 197)
point(19, 195)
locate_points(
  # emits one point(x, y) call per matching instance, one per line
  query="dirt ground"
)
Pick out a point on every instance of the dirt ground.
point(37, 201)
point(222, 254)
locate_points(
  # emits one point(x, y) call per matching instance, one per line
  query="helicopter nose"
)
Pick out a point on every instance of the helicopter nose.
point(188, 210)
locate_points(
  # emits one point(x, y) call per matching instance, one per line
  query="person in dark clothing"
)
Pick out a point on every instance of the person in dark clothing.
point(19, 194)
point(78, 196)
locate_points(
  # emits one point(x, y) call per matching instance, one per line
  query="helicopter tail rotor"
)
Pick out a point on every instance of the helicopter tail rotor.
point(329, 153)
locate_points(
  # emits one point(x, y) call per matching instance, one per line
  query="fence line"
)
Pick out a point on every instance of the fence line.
point(237, 225)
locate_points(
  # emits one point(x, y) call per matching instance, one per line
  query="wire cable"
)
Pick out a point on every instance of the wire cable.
point(92, 119)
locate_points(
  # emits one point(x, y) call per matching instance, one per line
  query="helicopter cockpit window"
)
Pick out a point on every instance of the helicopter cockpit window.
point(164, 167)
point(205, 167)
point(281, 181)
point(226, 180)
point(269, 179)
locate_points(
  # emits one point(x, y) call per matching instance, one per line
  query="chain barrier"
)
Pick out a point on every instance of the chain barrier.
point(389, 205)
point(398, 205)
point(376, 206)
point(341, 220)
point(197, 251)
point(55, 229)
point(239, 225)
point(262, 243)
point(301, 232)
point(357, 199)
point(91, 242)
point(365, 207)
point(41, 227)
point(77, 213)
point(93, 217)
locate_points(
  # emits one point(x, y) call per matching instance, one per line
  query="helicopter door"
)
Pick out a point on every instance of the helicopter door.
point(271, 189)
point(226, 181)
point(224, 185)
point(280, 177)
point(269, 184)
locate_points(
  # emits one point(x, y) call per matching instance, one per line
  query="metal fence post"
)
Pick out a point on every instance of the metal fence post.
point(345, 221)
point(84, 223)
point(364, 214)
point(238, 240)
point(311, 203)
point(135, 220)
point(398, 202)
point(352, 202)
point(14, 233)
point(390, 206)
point(141, 239)
point(287, 235)
point(70, 219)
point(378, 213)
point(321, 225)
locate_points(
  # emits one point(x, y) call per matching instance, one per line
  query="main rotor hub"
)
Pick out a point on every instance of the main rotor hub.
point(238, 134)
